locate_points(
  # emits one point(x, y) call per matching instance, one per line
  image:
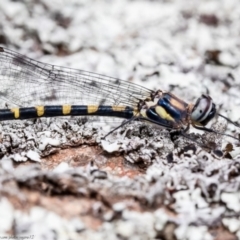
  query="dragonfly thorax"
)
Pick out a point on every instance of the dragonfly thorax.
point(165, 109)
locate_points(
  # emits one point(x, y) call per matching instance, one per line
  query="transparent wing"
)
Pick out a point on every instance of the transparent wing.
point(26, 82)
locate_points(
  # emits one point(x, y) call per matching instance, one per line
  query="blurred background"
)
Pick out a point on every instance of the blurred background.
point(183, 46)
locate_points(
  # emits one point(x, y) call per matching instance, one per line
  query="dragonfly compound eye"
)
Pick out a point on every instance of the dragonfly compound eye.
point(203, 111)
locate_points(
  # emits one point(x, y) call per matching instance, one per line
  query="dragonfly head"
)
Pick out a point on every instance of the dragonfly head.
point(203, 111)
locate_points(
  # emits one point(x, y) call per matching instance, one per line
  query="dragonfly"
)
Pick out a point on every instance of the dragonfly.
point(38, 89)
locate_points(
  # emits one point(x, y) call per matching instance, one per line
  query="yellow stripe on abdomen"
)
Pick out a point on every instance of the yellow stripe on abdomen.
point(40, 110)
point(118, 108)
point(66, 109)
point(92, 108)
point(15, 112)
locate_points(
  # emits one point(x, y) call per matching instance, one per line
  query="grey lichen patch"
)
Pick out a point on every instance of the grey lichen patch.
point(44, 136)
point(139, 143)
